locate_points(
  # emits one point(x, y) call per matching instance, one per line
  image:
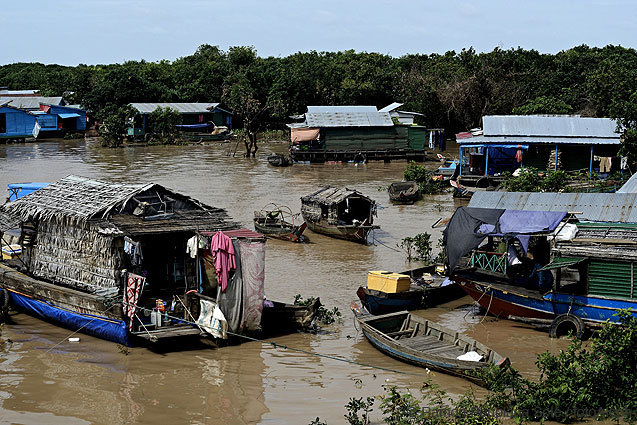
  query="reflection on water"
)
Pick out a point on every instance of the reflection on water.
point(93, 382)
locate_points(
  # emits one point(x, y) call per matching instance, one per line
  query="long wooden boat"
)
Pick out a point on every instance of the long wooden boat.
point(340, 213)
point(418, 296)
point(279, 317)
point(277, 222)
point(404, 192)
point(415, 340)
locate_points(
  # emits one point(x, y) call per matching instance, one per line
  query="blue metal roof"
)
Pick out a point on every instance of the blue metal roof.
point(612, 207)
point(65, 116)
point(568, 129)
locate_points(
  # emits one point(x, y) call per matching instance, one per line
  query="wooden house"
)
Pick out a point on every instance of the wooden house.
point(545, 142)
point(192, 114)
point(353, 133)
point(16, 124)
point(83, 241)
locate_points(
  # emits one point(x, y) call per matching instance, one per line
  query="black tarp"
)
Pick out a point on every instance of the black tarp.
point(461, 234)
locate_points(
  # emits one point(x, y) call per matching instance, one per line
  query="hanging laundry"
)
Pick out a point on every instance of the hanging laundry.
point(192, 245)
point(134, 286)
point(134, 250)
point(605, 164)
point(223, 255)
point(442, 145)
point(519, 155)
point(431, 140)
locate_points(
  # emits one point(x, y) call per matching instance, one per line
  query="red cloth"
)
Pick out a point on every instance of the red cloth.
point(519, 154)
point(223, 255)
point(134, 285)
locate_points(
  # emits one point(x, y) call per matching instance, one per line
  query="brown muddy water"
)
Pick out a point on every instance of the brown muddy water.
point(44, 379)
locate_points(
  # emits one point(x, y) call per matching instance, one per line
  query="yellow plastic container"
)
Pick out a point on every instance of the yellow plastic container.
point(388, 282)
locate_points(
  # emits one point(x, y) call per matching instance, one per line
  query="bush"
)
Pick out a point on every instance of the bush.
point(528, 180)
point(419, 174)
point(162, 126)
point(417, 247)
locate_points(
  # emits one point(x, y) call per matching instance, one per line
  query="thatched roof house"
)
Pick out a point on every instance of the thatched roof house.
point(76, 232)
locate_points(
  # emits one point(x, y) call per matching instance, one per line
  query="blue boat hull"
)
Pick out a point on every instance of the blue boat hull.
point(589, 307)
point(99, 326)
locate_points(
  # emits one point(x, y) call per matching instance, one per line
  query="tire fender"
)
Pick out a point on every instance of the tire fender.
point(567, 319)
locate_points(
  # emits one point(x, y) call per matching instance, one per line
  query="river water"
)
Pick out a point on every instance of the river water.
point(44, 379)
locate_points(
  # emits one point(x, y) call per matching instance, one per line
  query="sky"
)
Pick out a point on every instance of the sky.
point(70, 32)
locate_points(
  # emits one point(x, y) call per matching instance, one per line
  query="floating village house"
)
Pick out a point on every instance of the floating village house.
point(545, 142)
point(54, 117)
point(91, 250)
point(192, 114)
point(16, 124)
point(360, 133)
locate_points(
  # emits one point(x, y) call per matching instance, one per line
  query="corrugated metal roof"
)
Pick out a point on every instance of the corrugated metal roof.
point(182, 108)
point(33, 102)
point(548, 125)
point(341, 108)
point(630, 186)
point(349, 119)
point(571, 129)
point(538, 139)
point(612, 207)
point(391, 107)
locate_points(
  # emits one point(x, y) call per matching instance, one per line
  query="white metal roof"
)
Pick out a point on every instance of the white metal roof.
point(182, 108)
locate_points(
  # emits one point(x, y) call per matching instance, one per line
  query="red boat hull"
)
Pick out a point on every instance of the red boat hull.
point(505, 303)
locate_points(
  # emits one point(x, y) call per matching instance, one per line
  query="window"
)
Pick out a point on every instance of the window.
point(3, 123)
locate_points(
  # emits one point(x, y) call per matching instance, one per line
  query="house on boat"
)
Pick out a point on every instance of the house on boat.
point(205, 115)
point(17, 124)
point(543, 264)
point(32, 103)
point(359, 133)
point(545, 142)
point(129, 260)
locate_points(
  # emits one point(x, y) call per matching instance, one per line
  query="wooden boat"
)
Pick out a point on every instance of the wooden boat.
point(203, 132)
point(404, 192)
point(459, 191)
point(277, 222)
point(279, 317)
point(423, 295)
point(413, 339)
point(4, 304)
point(279, 160)
point(340, 213)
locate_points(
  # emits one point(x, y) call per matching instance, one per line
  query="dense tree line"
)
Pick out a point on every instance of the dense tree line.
point(453, 90)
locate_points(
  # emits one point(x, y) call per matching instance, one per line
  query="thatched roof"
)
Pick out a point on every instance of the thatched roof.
point(80, 199)
point(332, 195)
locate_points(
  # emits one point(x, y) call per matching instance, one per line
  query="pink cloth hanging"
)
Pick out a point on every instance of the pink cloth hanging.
point(223, 256)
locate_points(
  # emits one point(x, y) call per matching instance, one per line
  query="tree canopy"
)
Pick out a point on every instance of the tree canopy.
point(453, 90)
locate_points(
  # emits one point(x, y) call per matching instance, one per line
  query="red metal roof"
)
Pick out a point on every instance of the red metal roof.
point(238, 233)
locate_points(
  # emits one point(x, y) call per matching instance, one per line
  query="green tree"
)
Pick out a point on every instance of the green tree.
point(114, 124)
point(162, 124)
point(544, 105)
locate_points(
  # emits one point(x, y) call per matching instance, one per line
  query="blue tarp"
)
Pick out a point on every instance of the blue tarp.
point(193, 126)
point(102, 327)
point(18, 190)
point(469, 226)
point(65, 116)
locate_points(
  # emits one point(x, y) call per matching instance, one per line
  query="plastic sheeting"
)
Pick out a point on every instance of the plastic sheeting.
point(304, 134)
point(469, 226)
point(101, 327)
